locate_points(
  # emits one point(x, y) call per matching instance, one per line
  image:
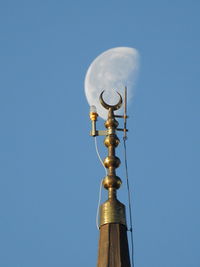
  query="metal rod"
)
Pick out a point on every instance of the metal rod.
point(125, 111)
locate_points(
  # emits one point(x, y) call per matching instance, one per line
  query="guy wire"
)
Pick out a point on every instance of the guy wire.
point(100, 188)
point(129, 201)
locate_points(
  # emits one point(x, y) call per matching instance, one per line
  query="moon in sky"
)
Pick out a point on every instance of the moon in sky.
point(111, 71)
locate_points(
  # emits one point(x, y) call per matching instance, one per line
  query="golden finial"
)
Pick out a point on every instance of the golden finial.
point(112, 211)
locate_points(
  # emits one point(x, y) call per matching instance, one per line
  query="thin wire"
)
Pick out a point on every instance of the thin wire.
point(97, 151)
point(98, 206)
point(100, 188)
point(129, 202)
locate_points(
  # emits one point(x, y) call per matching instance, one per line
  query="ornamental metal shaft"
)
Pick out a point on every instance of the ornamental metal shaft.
point(112, 211)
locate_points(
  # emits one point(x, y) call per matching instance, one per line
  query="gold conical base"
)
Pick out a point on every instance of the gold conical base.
point(112, 211)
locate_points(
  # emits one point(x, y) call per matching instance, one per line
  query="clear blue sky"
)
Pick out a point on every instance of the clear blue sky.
point(49, 172)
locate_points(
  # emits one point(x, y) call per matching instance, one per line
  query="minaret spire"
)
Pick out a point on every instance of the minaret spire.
point(113, 244)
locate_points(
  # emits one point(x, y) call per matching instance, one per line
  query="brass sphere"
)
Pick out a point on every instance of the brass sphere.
point(112, 161)
point(111, 122)
point(112, 181)
point(111, 140)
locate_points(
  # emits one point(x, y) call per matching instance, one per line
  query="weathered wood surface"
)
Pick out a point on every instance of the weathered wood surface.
point(113, 246)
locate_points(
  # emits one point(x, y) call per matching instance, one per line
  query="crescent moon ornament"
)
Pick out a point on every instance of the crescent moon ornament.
point(107, 106)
